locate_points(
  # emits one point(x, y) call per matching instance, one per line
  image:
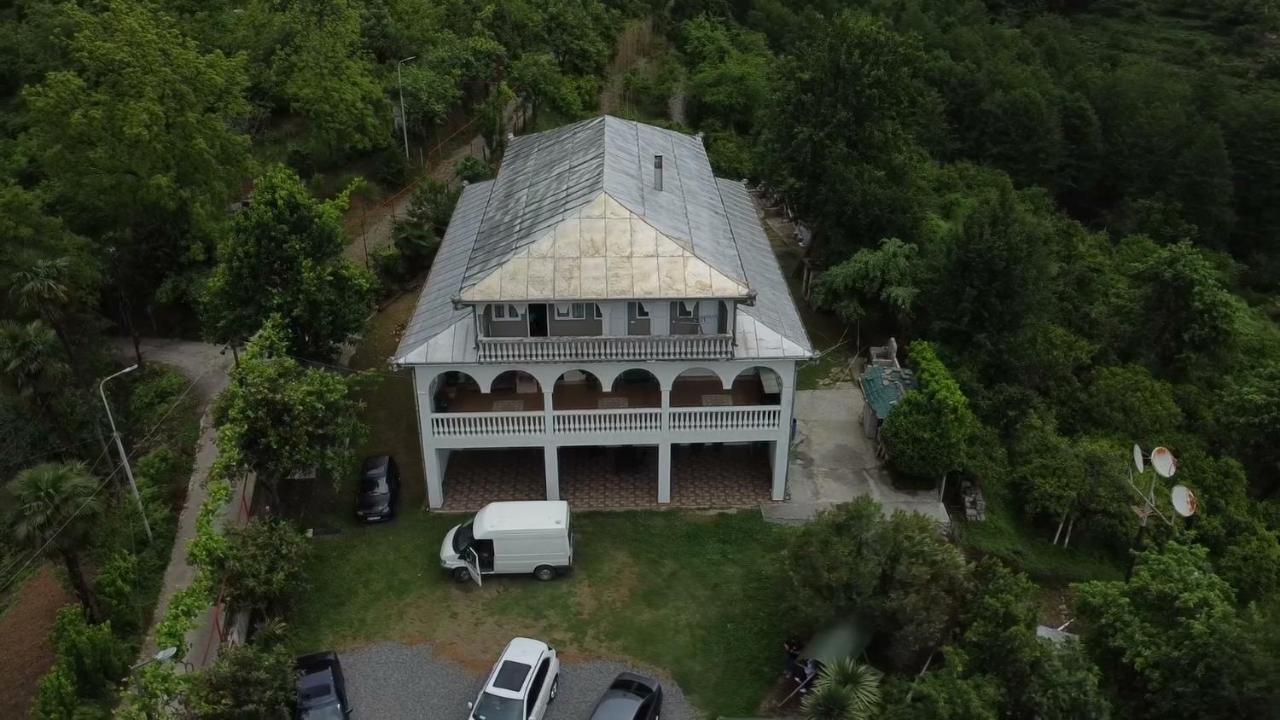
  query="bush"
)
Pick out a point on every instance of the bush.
point(151, 405)
point(90, 663)
point(247, 681)
point(262, 565)
point(116, 587)
point(473, 169)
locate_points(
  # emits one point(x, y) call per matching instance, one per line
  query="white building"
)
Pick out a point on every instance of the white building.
point(605, 289)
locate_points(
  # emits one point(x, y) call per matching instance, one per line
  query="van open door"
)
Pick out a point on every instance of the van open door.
point(473, 564)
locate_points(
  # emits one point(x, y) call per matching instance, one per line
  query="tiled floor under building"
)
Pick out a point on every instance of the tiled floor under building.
point(597, 478)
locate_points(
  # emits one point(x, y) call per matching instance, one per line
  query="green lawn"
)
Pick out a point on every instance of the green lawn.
point(692, 595)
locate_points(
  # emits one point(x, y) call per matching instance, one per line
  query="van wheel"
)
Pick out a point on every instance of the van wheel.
point(555, 686)
point(544, 572)
point(461, 575)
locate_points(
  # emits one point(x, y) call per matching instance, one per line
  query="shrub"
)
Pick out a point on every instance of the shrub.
point(116, 587)
point(262, 564)
point(473, 169)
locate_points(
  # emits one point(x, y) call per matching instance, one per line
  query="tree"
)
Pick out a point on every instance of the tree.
point(46, 289)
point(284, 258)
point(277, 418)
point(949, 695)
point(537, 81)
point(838, 136)
point(263, 564)
point(1189, 315)
point(927, 433)
point(1128, 401)
point(897, 572)
point(246, 681)
point(137, 137)
point(1168, 639)
point(29, 355)
point(1250, 413)
point(886, 277)
point(329, 79)
point(55, 506)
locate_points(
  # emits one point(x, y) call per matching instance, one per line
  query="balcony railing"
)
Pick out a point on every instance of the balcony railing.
point(487, 423)
point(629, 420)
point(725, 418)
point(589, 421)
point(634, 347)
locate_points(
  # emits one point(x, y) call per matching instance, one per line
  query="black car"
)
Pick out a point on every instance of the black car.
point(630, 697)
point(379, 487)
point(322, 693)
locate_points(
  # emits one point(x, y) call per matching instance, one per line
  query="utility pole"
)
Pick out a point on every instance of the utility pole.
point(124, 457)
point(404, 119)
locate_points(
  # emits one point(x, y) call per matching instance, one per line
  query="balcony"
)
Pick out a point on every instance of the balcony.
point(636, 347)
point(513, 412)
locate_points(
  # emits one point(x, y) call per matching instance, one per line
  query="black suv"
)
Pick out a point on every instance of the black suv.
point(379, 489)
point(630, 697)
point(322, 692)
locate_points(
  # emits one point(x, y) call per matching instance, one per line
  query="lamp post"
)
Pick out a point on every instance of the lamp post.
point(404, 119)
point(164, 655)
point(124, 457)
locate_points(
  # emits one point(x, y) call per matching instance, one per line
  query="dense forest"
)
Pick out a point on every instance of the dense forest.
point(1069, 211)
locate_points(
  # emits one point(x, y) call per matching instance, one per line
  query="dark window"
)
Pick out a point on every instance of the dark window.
point(535, 687)
point(374, 485)
point(511, 675)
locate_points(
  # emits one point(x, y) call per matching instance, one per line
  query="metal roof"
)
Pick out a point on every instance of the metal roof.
point(550, 178)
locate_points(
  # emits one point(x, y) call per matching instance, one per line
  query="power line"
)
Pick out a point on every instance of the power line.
point(5, 584)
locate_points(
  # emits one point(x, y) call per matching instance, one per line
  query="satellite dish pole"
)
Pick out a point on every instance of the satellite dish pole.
point(1165, 465)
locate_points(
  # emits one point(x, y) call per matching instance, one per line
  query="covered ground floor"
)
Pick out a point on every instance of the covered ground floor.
point(712, 475)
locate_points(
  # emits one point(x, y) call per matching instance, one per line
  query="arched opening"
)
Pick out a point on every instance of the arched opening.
point(455, 391)
point(635, 388)
point(576, 390)
point(699, 387)
point(515, 391)
point(757, 386)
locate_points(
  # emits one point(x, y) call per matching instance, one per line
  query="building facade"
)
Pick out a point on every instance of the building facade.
point(604, 289)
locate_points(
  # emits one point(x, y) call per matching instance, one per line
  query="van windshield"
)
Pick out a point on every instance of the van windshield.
point(463, 537)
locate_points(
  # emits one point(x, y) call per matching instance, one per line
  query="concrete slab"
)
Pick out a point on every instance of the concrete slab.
point(833, 462)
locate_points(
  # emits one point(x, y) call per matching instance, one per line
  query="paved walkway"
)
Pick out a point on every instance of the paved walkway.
point(207, 367)
point(833, 462)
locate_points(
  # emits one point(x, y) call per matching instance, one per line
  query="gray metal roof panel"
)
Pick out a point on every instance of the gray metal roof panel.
point(774, 305)
point(435, 312)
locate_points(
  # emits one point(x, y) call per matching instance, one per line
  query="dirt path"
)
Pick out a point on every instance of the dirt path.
point(25, 630)
point(371, 229)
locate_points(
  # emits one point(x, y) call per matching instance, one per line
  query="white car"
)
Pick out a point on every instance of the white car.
point(521, 685)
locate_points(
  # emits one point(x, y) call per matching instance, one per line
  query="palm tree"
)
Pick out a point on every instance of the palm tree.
point(28, 355)
point(42, 289)
point(54, 511)
point(846, 690)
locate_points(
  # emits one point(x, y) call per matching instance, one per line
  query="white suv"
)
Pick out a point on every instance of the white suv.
point(521, 685)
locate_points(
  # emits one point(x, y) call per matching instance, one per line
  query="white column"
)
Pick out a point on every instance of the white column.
point(666, 411)
point(782, 446)
point(664, 472)
point(432, 467)
point(548, 415)
point(551, 467)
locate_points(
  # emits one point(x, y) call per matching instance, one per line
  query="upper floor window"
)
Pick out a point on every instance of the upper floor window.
point(505, 312)
point(638, 310)
point(577, 311)
point(686, 309)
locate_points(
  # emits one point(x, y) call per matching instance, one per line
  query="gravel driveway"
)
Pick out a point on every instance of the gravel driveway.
point(391, 681)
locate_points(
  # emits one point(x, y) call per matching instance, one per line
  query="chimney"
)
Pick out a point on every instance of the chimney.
point(657, 172)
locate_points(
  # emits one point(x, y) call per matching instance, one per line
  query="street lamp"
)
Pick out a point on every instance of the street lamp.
point(124, 457)
point(164, 655)
point(404, 119)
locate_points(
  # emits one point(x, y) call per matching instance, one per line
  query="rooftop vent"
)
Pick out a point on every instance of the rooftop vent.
point(657, 172)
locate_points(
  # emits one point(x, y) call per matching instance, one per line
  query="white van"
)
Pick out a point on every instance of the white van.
point(510, 537)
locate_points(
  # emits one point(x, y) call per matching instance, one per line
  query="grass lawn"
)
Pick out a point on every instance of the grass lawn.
point(691, 595)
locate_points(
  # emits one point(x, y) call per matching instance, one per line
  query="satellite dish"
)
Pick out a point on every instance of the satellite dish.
point(1163, 462)
point(1137, 458)
point(1184, 501)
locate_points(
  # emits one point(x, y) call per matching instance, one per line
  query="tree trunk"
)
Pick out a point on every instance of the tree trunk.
point(1057, 534)
point(1067, 540)
point(76, 573)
